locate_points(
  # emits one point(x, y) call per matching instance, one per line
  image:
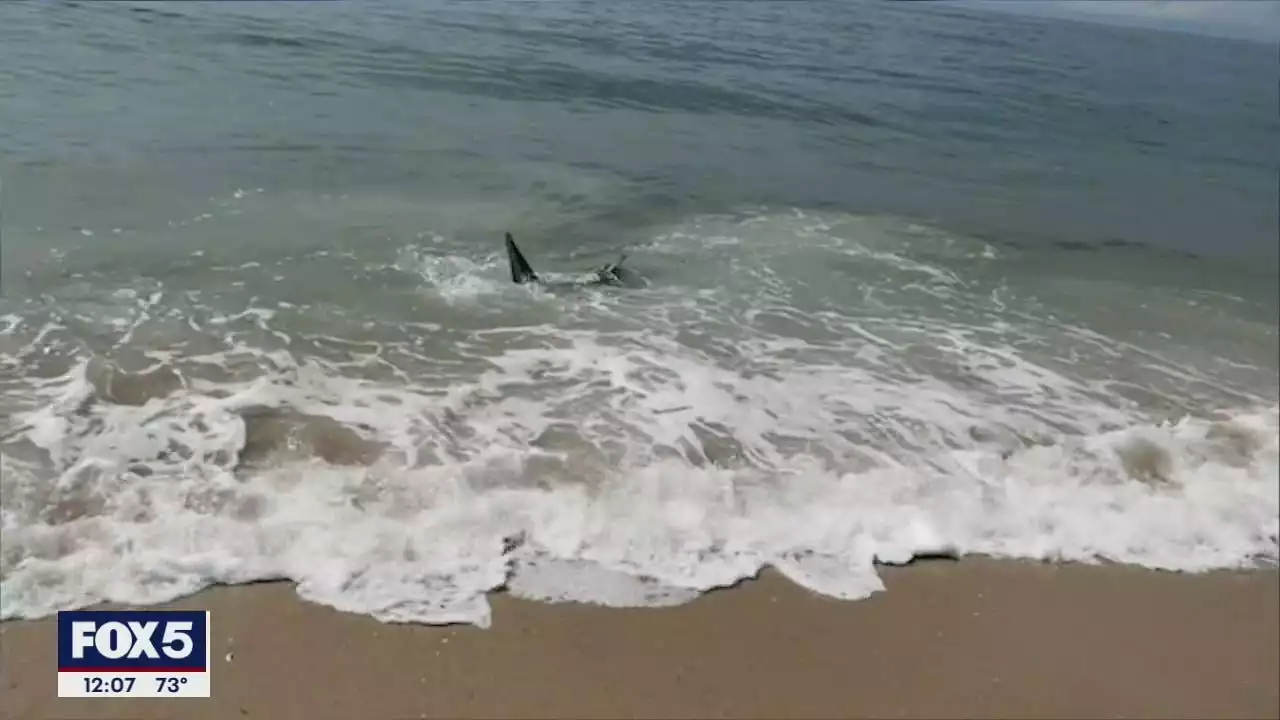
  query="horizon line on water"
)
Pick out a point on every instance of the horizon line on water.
point(1249, 20)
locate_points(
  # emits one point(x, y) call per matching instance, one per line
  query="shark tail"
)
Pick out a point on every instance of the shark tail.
point(521, 271)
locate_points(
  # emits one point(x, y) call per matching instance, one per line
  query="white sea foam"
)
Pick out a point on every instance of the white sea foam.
point(638, 450)
point(456, 279)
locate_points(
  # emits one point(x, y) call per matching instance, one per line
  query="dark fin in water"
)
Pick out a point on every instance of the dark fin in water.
point(520, 271)
point(610, 273)
point(615, 274)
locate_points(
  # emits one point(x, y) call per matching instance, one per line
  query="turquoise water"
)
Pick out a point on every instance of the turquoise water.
point(919, 277)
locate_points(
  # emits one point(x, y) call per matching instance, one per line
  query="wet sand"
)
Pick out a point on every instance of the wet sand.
point(977, 638)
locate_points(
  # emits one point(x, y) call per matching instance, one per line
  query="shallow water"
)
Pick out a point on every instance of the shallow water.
point(920, 280)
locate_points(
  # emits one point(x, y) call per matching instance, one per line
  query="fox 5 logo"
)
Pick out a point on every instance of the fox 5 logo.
point(146, 640)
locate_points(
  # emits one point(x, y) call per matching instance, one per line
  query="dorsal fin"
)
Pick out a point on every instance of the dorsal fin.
point(520, 271)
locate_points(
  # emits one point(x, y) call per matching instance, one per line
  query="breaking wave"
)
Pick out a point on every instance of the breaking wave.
point(815, 393)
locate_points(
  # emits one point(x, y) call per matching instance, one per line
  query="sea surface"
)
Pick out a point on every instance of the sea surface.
point(920, 280)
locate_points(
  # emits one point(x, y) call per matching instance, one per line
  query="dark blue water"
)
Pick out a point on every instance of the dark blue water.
point(1026, 129)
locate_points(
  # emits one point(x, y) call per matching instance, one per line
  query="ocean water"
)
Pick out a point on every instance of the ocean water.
point(921, 280)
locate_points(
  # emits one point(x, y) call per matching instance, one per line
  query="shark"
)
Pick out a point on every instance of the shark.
point(611, 274)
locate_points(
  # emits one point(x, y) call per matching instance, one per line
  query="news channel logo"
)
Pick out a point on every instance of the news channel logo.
point(133, 653)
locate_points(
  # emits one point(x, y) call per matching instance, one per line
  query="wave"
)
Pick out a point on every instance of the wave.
point(819, 394)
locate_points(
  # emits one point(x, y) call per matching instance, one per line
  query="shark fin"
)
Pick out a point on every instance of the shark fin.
point(521, 272)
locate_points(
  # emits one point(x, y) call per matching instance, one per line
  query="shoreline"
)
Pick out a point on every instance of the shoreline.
point(976, 638)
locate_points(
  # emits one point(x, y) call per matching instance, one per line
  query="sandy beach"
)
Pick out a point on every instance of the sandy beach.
point(977, 638)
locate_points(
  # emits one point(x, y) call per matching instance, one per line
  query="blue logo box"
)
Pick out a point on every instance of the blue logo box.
point(112, 641)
